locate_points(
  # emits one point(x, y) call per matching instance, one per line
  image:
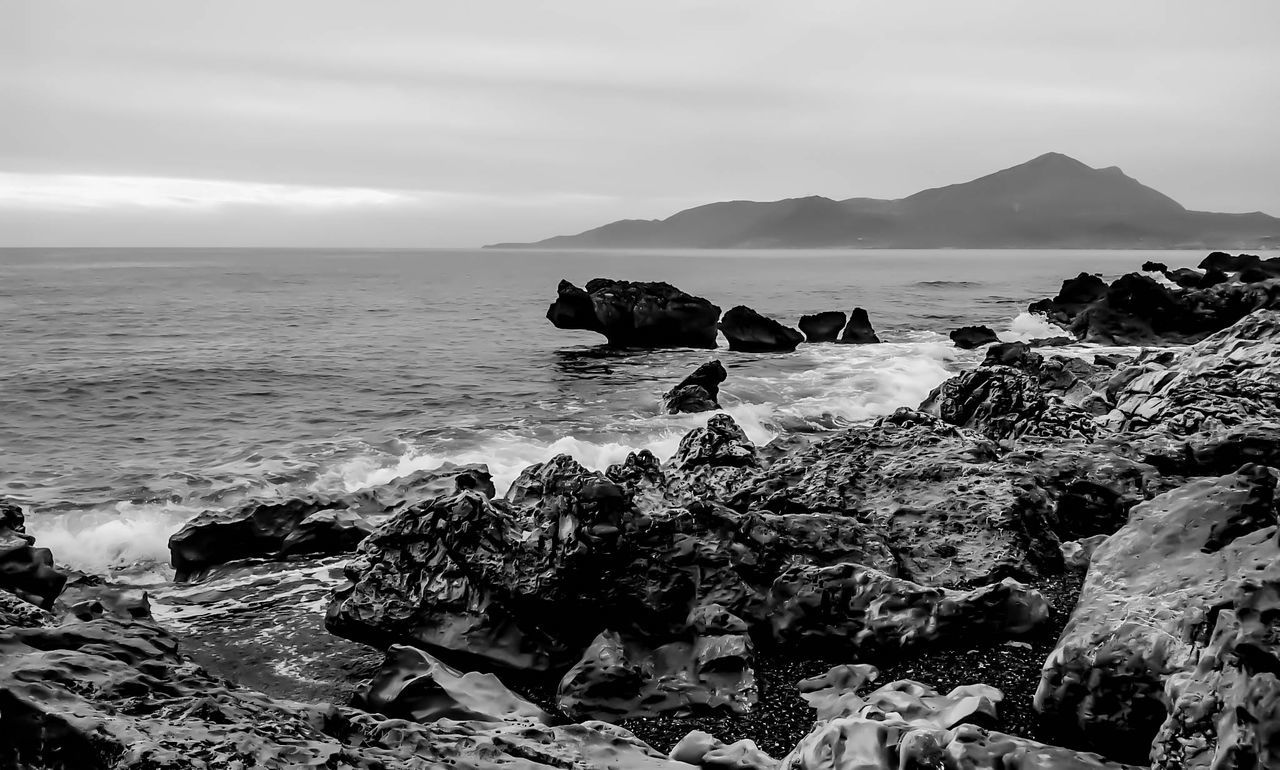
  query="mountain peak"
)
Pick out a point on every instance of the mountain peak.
point(1056, 160)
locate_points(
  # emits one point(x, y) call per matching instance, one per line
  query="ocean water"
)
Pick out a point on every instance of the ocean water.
point(139, 387)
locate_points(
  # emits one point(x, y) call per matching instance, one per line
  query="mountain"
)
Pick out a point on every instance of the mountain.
point(1052, 201)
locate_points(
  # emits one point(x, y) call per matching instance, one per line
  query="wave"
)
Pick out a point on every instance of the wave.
point(1029, 326)
point(946, 284)
point(125, 538)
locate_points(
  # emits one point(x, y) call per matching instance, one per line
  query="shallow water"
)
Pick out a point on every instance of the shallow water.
point(138, 387)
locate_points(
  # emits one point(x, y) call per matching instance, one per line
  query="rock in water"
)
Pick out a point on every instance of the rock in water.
point(748, 331)
point(415, 685)
point(698, 392)
point(970, 337)
point(822, 327)
point(1075, 295)
point(859, 330)
point(26, 570)
point(635, 314)
point(1150, 599)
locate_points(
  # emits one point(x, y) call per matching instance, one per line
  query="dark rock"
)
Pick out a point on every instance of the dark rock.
point(1075, 295)
point(710, 461)
point(635, 314)
point(698, 392)
point(748, 331)
point(414, 685)
point(1227, 263)
point(1154, 267)
point(1005, 403)
point(88, 597)
point(1262, 271)
point(970, 337)
point(859, 331)
point(446, 480)
point(641, 476)
point(1188, 278)
point(822, 327)
point(1149, 594)
point(328, 531)
point(25, 570)
point(1019, 355)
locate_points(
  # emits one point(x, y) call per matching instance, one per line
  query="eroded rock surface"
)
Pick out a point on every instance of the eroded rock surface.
point(698, 392)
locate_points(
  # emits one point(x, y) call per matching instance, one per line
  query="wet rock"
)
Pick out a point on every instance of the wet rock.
point(88, 597)
point(1005, 403)
point(1075, 295)
point(711, 461)
point(19, 613)
point(1154, 267)
point(970, 337)
point(698, 392)
point(641, 477)
point(617, 679)
point(324, 532)
point(414, 685)
point(636, 314)
point(706, 751)
point(859, 330)
point(1019, 355)
point(1149, 595)
point(1262, 271)
point(1228, 263)
point(834, 695)
point(848, 606)
point(25, 570)
point(822, 327)
point(404, 491)
point(748, 331)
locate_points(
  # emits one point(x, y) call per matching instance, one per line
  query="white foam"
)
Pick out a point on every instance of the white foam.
point(1029, 326)
point(124, 537)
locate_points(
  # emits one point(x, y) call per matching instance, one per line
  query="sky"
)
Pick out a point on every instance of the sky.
point(448, 124)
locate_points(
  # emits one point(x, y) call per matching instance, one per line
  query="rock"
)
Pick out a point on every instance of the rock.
point(698, 392)
point(1149, 595)
point(1075, 295)
point(851, 607)
point(88, 597)
point(1227, 263)
point(1154, 267)
point(117, 694)
point(1019, 355)
point(25, 570)
point(859, 331)
point(634, 314)
point(641, 477)
point(748, 331)
point(1262, 271)
point(1077, 553)
point(822, 327)
point(404, 491)
point(706, 751)
point(834, 695)
point(20, 613)
point(1005, 403)
point(711, 461)
point(324, 532)
point(415, 685)
point(970, 337)
point(620, 680)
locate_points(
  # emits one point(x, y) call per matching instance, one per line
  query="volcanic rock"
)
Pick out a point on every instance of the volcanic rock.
point(822, 327)
point(748, 331)
point(859, 330)
point(970, 337)
point(25, 570)
point(1005, 403)
point(697, 392)
point(636, 315)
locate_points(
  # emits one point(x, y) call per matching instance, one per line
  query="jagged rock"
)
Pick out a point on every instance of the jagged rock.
point(404, 491)
point(25, 570)
point(415, 685)
point(636, 315)
point(116, 694)
point(822, 327)
point(857, 608)
point(711, 461)
point(859, 330)
point(970, 337)
point(1228, 380)
point(1005, 403)
point(698, 392)
point(1075, 295)
point(641, 476)
point(88, 597)
point(706, 751)
point(750, 332)
point(1225, 712)
point(20, 613)
point(619, 680)
point(1154, 267)
point(1150, 593)
point(834, 695)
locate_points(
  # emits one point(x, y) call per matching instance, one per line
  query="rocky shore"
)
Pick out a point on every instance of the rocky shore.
point(1057, 560)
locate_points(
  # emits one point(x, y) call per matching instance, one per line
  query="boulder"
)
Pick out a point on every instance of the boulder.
point(25, 570)
point(854, 608)
point(698, 392)
point(970, 337)
point(703, 750)
point(822, 327)
point(1149, 601)
point(1075, 295)
point(1006, 403)
point(711, 461)
point(635, 314)
point(748, 331)
point(1262, 271)
point(1228, 263)
point(415, 685)
point(859, 330)
point(1154, 267)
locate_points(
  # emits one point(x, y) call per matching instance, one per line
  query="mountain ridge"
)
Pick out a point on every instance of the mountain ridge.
point(1050, 201)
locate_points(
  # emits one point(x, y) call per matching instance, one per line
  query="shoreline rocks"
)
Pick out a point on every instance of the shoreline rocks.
point(970, 337)
point(698, 392)
point(859, 330)
point(749, 332)
point(822, 327)
point(636, 314)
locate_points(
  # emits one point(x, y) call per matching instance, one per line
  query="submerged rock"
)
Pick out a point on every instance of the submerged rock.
point(1149, 601)
point(859, 330)
point(970, 337)
point(748, 331)
point(698, 392)
point(636, 314)
point(822, 327)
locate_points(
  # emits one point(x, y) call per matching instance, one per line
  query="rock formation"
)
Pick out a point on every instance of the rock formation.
point(970, 337)
point(859, 330)
point(636, 315)
point(822, 327)
point(748, 331)
point(698, 392)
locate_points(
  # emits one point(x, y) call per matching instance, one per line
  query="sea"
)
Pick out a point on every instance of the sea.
point(139, 387)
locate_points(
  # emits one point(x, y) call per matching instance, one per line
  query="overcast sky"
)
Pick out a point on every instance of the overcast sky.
point(314, 122)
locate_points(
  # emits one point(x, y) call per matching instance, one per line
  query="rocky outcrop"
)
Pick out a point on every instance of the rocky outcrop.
point(26, 570)
point(698, 392)
point(711, 461)
point(1149, 602)
point(748, 331)
point(822, 327)
point(635, 314)
point(970, 337)
point(1007, 403)
point(859, 330)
